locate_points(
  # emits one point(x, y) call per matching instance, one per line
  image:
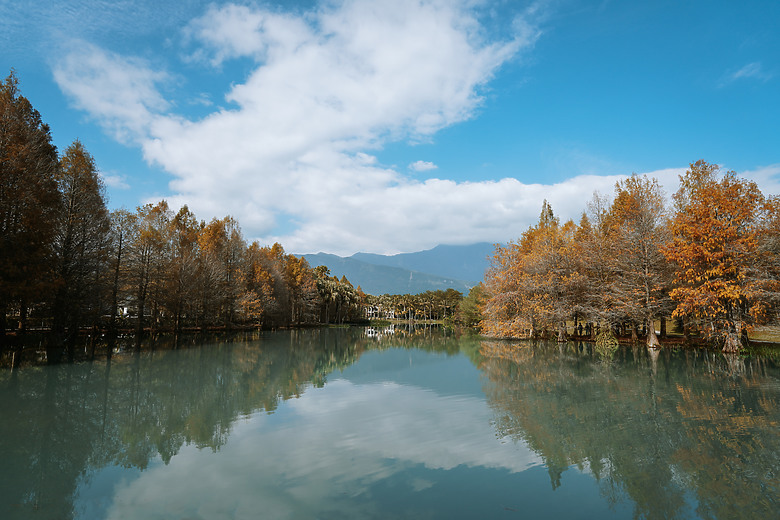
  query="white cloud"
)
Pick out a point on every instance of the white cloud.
point(329, 86)
point(120, 92)
point(767, 178)
point(752, 70)
point(115, 180)
point(422, 166)
point(234, 31)
point(419, 215)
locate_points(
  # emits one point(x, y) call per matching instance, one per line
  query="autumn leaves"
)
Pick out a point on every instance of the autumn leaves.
point(711, 263)
point(722, 252)
point(70, 264)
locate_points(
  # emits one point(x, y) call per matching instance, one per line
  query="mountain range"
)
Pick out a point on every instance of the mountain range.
point(443, 267)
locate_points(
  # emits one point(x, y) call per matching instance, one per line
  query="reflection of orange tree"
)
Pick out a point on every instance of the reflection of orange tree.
point(628, 425)
point(742, 430)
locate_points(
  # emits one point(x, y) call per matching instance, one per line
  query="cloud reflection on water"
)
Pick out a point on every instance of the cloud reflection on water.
point(319, 452)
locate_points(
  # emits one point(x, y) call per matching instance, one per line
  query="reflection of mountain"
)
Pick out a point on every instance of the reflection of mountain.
point(654, 430)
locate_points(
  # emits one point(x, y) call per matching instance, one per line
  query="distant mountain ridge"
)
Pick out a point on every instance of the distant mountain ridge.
point(460, 262)
point(440, 268)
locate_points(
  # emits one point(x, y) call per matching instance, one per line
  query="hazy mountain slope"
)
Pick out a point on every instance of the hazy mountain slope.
point(459, 262)
point(383, 279)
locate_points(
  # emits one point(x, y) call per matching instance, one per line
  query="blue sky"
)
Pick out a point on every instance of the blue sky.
point(390, 126)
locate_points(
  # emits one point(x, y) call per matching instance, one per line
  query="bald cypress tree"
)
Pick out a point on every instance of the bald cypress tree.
point(82, 242)
point(29, 203)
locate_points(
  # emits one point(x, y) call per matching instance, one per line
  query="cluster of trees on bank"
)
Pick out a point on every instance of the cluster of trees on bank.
point(70, 263)
point(711, 262)
point(429, 305)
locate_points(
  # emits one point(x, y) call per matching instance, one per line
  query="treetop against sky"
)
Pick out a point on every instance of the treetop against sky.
point(388, 126)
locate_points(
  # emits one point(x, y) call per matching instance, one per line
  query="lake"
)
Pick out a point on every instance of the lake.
point(392, 423)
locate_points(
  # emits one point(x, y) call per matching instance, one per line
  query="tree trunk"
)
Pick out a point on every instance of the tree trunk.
point(139, 331)
point(112, 328)
point(733, 342)
point(663, 327)
point(652, 339)
point(22, 318)
point(561, 332)
point(3, 310)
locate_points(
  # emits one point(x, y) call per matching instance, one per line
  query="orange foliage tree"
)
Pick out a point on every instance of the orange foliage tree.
point(536, 283)
point(714, 263)
point(635, 231)
point(715, 251)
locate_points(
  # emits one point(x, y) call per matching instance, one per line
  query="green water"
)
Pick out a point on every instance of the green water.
point(346, 423)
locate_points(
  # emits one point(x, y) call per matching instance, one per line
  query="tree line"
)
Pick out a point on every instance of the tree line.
point(68, 263)
point(438, 305)
point(710, 261)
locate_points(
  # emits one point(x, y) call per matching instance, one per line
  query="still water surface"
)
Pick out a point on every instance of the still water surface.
point(348, 423)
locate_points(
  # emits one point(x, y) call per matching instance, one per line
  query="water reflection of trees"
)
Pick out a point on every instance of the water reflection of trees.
point(428, 337)
point(60, 424)
point(671, 431)
point(63, 423)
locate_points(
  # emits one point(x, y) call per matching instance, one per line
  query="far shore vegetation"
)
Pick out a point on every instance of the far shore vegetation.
point(73, 273)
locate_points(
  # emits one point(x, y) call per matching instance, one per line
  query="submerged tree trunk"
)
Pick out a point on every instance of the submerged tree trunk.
point(652, 339)
point(561, 332)
point(22, 319)
point(733, 342)
point(654, 353)
point(3, 310)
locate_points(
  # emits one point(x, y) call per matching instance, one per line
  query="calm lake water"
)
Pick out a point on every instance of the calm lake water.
point(361, 423)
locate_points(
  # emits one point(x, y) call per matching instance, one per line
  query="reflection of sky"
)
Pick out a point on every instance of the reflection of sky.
point(322, 451)
point(442, 373)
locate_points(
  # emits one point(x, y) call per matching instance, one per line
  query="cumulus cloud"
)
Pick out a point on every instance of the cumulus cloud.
point(234, 31)
point(328, 86)
point(115, 180)
point(422, 166)
point(120, 92)
point(767, 178)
